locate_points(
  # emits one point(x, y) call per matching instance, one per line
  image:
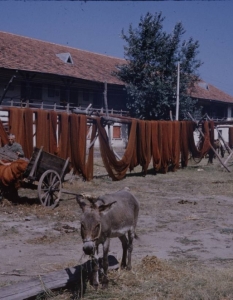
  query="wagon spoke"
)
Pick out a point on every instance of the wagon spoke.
point(49, 188)
point(46, 200)
point(43, 196)
point(56, 185)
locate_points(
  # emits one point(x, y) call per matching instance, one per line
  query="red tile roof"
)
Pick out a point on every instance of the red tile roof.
point(23, 53)
point(206, 91)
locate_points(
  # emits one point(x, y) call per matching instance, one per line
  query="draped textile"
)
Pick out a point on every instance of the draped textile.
point(211, 136)
point(230, 133)
point(53, 133)
point(134, 156)
point(27, 143)
point(42, 129)
point(64, 136)
point(166, 130)
point(184, 142)
point(21, 125)
point(16, 123)
point(3, 135)
point(205, 147)
point(175, 160)
point(78, 133)
point(90, 160)
point(144, 144)
point(116, 168)
point(11, 174)
point(156, 144)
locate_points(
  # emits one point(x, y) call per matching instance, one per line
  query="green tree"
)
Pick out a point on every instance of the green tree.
point(150, 72)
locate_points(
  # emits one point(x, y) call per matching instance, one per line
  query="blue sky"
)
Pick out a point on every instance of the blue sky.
point(96, 26)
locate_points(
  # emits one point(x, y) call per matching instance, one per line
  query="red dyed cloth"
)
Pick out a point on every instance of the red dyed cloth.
point(10, 175)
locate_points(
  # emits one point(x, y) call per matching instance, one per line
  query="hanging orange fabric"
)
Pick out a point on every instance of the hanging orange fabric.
point(184, 143)
point(3, 134)
point(27, 129)
point(175, 160)
point(211, 134)
point(16, 123)
point(166, 154)
point(144, 144)
point(156, 144)
point(116, 168)
point(90, 160)
point(53, 132)
point(64, 136)
point(10, 175)
point(134, 157)
point(230, 134)
point(78, 133)
point(42, 129)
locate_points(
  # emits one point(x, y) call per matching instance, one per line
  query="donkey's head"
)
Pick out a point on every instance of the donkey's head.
point(91, 222)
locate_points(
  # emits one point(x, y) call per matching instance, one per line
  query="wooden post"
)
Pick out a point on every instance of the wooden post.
point(178, 91)
point(202, 134)
point(107, 114)
point(225, 144)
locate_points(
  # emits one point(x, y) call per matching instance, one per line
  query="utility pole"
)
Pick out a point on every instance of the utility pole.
point(178, 91)
point(107, 114)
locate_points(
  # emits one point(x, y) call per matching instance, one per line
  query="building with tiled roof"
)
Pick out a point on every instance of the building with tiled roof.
point(50, 73)
point(54, 73)
point(215, 102)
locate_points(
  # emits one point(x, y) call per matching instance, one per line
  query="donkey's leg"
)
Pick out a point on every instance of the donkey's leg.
point(105, 262)
point(124, 242)
point(131, 235)
point(94, 278)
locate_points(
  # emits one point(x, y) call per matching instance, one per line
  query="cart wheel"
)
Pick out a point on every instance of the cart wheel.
point(49, 188)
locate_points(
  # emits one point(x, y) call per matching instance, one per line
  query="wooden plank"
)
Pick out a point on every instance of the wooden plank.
point(219, 158)
point(41, 161)
point(54, 280)
point(116, 120)
point(34, 162)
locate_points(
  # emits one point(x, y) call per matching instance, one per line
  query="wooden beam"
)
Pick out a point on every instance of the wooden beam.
point(202, 134)
point(7, 87)
point(32, 172)
point(59, 279)
point(116, 120)
point(107, 115)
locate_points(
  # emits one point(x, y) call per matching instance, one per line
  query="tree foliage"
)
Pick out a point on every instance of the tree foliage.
point(150, 72)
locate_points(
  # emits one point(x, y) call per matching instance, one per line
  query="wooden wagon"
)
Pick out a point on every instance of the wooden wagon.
point(46, 173)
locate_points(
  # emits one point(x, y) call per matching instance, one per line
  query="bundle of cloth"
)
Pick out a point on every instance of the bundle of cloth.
point(12, 173)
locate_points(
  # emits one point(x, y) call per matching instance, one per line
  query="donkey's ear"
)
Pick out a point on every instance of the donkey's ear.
point(105, 207)
point(79, 199)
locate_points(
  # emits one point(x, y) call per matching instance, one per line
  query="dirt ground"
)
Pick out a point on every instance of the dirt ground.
point(185, 215)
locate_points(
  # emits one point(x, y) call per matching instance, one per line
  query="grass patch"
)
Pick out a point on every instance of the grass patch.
point(157, 279)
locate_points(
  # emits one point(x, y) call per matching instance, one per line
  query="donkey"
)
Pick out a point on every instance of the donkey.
point(108, 216)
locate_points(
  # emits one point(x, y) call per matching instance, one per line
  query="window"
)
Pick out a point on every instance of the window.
point(51, 91)
point(117, 132)
point(66, 57)
point(86, 96)
point(36, 91)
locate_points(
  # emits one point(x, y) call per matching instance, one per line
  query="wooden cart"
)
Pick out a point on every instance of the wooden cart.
point(47, 171)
